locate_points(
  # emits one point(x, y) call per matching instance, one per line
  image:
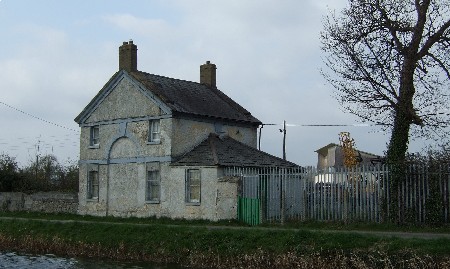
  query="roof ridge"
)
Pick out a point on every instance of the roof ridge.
point(161, 76)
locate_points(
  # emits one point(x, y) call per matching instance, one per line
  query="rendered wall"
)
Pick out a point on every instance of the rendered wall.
point(126, 196)
point(218, 198)
point(186, 134)
point(115, 107)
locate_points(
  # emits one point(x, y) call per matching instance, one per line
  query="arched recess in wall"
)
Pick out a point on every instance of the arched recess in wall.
point(123, 148)
point(123, 174)
point(123, 145)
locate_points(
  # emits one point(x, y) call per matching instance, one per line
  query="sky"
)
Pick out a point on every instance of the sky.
point(57, 54)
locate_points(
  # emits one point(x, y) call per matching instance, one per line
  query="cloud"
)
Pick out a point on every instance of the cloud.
point(42, 76)
point(140, 26)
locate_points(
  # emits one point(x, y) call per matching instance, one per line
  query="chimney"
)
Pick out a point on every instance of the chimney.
point(128, 56)
point(208, 74)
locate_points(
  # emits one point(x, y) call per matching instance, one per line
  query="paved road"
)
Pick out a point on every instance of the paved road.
point(406, 235)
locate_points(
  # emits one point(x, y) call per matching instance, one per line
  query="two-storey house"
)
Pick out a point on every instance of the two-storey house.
point(155, 146)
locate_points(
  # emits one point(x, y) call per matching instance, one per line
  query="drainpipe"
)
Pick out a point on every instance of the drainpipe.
point(107, 185)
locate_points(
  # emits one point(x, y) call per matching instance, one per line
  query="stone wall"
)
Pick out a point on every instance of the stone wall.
point(48, 202)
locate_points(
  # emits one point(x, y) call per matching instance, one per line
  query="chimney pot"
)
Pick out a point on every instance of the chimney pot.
point(128, 56)
point(208, 74)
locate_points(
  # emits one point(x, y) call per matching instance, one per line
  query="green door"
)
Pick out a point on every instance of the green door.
point(249, 210)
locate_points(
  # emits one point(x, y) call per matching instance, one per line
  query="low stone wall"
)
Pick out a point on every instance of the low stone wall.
point(48, 202)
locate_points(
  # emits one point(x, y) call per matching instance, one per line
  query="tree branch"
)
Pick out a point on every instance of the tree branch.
point(436, 37)
point(440, 63)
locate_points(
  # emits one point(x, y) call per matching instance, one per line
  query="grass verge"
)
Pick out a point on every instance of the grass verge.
point(202, 246)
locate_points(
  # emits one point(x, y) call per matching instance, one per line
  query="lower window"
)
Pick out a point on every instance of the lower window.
point(193, 185)
point(153, 186)
point(92, 186)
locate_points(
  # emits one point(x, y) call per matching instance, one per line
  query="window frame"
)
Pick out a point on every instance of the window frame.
point(154, 131)
point(189, 185)
point(94, 136)
point(93, 180)
point(153, 176)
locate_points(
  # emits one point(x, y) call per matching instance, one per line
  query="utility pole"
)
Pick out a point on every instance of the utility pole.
point(284, 139)
point(37, 158)
point(282, 189)
point(259, 138)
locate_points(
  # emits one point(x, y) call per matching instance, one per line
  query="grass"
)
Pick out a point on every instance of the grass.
point(363, 226)
point(198, 242)
point(132, 220)
point(306, 225)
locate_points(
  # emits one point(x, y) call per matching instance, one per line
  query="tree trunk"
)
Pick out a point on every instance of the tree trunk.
point(398, 145)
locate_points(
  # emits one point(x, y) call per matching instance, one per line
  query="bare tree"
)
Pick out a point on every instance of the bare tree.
point(389, 61)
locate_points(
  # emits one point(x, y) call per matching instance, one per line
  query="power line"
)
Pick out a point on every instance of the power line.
point(338, 125)
point(284, 124)
point(38, 118)
point(329, 125)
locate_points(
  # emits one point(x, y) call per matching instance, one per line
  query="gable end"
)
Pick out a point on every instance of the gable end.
point(109, 87)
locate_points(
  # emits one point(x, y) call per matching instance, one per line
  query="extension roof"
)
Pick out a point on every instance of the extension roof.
point(225, 151)
point(180, 96)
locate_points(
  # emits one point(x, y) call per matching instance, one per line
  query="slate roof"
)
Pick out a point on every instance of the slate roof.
point(225, 151)
point(193, 98)
point(184, 98)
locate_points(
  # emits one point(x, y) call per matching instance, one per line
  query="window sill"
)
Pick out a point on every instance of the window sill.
point(153, 143)
point(153, 202)
point(94, 147)
point(92, 199)
point(193, 203)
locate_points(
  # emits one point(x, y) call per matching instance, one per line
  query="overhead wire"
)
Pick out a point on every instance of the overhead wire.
point(328, 125)
point(38, 118)
point(284, 124)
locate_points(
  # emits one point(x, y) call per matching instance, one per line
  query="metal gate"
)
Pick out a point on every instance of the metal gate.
point(249, 200)
point(268, 195)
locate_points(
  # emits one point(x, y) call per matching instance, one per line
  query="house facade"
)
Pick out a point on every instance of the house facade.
point(136, 132)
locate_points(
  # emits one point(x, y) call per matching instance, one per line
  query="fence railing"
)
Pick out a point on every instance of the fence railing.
point(344, 194)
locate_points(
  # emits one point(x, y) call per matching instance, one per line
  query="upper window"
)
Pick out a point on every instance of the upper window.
point(95, 136)
point(193, 185)
point(153, 186)
point(92, 185)
point(153, 132)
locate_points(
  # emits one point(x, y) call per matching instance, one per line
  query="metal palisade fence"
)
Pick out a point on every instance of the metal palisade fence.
point(341, 194)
